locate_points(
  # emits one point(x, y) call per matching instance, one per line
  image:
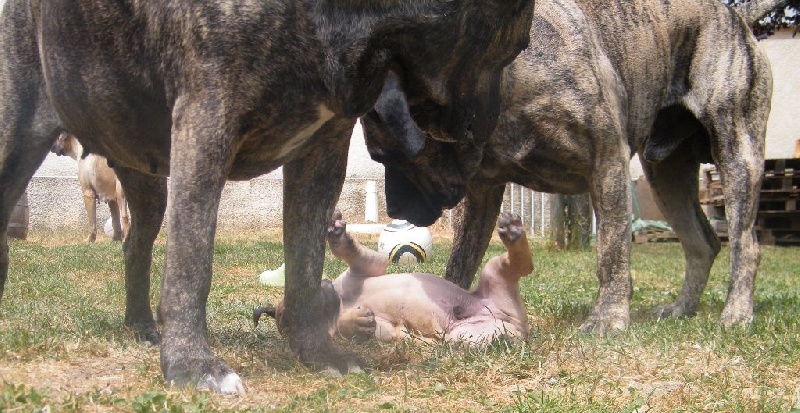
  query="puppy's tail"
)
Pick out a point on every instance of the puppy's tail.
point(270, 311)
point(754, 10)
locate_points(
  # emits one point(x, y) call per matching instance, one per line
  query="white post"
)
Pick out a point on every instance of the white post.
point(543, 224)
point(533, 212)
point(371, 206)
point(512, 198)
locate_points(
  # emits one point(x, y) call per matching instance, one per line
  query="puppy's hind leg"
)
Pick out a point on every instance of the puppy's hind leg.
point(363, 262)
point(517, 261)
point(475, 217)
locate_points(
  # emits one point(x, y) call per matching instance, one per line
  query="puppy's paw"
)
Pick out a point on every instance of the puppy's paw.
point(509, 227)
point(357, 323)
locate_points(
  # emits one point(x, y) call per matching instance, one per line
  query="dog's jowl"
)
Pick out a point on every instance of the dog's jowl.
point(208, 91)
point(681, 82)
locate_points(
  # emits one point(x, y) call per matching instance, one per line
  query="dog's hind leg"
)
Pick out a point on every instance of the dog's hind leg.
point(311, 188)
point(740, 162)
point(475, 219)
point(148, 202)
point(28, 122)
point(675, 186)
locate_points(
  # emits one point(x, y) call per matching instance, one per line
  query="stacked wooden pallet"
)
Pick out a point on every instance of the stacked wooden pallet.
point(778, 219)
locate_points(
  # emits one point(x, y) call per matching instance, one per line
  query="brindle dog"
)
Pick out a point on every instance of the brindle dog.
point(208, 91)
point(681, 82)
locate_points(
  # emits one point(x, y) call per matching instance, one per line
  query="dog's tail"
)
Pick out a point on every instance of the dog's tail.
point(270, 311)
point(754, 10)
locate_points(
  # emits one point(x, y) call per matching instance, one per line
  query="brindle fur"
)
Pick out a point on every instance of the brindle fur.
point(681, 82)
point(231, 89)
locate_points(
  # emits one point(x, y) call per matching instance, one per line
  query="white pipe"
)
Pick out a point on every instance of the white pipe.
point(533, 212)
point(371, 206)
point(543, 223)
point(512, 198)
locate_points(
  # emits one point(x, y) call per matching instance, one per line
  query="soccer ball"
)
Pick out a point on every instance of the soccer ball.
point(405, 242)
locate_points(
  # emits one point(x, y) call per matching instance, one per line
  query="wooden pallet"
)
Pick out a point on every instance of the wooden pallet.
point(643, 237)
point(778, 218)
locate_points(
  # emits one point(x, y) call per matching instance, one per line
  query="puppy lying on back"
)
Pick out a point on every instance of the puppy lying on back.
point(366, 302)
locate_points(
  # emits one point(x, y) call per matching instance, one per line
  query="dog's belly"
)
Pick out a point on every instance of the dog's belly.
point(423, 304)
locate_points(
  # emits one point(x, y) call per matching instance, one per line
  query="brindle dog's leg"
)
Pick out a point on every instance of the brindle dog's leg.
point(675, 188)
point(475, 218)
point(28, 122)
point(202, 135)
point(741, 171)
point(148, 201)
point(311, 188)
point(611, 197)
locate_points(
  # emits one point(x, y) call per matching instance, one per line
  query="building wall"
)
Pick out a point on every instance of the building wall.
point(783, 128)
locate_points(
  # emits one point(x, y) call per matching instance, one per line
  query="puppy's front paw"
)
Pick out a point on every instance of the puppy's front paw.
point(357, 323)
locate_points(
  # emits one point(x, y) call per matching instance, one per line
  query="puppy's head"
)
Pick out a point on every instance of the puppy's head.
point(330, 303)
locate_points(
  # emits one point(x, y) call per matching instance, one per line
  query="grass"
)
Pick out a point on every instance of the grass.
point(63, 346)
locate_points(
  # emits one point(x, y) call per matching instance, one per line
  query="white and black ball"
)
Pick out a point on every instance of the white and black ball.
point(405, 242)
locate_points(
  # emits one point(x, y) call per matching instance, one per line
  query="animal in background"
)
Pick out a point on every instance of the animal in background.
point(98, 183)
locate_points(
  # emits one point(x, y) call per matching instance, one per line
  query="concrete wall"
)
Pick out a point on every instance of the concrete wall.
point(55, 199)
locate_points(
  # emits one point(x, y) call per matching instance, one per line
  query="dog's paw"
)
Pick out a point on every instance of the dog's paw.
point(324, 356)
point(509, 227)
point(205, 371)
point(608, 318)
point(337, 226)
point(144, 331)
point(674, 310)
point(357, 323)
point(733, 316)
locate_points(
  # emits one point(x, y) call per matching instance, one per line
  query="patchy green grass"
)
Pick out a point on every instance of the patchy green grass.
point(63, 346)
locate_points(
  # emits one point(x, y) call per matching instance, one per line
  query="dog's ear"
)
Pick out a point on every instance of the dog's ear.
point(270, 311)
point(393, 110)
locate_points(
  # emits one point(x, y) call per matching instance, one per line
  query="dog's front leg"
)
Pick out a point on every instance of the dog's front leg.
point(611, 194)
point(200, 158)
point(148, 202)
point(475, 222)
point(311, 189)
